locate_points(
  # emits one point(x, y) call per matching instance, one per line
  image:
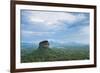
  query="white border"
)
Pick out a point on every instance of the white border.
point(52, 64)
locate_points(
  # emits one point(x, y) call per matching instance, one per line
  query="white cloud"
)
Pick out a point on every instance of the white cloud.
point(85, 30)
point(36, 33)
point(54, 19)
point(36, 20)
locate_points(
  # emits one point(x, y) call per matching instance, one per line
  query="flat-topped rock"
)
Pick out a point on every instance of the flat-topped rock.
point(44, 44)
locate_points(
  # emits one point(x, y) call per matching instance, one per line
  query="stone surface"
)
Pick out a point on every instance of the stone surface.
point(44, 44)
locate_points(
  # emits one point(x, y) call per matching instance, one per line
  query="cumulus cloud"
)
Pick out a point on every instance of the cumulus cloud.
point(52, 18)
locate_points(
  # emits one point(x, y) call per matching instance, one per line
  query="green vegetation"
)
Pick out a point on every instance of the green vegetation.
point(54, 54)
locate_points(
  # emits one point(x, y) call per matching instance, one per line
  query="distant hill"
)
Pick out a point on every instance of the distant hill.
point(28, 45)
point(54, 45)
point(68, 44)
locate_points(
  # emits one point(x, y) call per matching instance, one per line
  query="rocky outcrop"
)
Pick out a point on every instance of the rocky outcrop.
point(44, 44)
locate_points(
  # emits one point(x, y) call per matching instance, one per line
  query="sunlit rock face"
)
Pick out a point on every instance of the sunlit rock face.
point(44, 44)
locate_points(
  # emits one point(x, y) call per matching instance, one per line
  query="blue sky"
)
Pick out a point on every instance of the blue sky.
point(62, 27)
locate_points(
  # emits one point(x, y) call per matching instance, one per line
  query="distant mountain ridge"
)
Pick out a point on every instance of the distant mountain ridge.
point(53, 45)
point(67, 44)
point(28, 45)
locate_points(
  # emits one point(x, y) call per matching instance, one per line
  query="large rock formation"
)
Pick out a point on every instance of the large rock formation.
point(44, 44)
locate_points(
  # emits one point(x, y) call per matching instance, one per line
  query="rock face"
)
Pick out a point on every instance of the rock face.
point(44, 44)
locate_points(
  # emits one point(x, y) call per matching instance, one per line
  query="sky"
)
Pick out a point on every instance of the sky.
point(56, 26)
